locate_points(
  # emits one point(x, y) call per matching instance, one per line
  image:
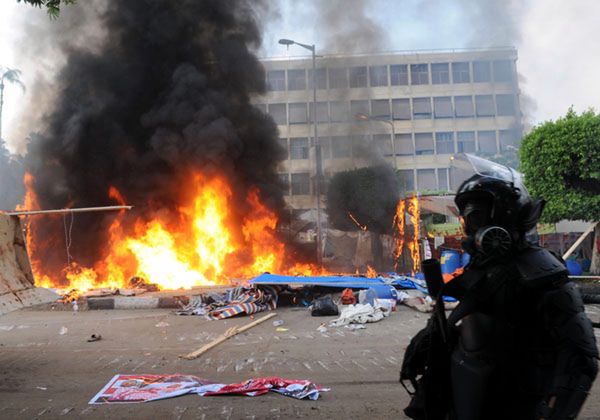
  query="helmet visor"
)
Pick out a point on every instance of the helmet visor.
point(464, 165)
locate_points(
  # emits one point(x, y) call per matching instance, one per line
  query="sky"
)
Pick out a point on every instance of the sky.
point(556, 42)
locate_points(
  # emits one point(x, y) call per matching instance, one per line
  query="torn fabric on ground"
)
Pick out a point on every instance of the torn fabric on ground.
point(360, 314)
point(233, 302)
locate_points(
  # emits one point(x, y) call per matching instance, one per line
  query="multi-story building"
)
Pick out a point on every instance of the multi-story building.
point(413, 109)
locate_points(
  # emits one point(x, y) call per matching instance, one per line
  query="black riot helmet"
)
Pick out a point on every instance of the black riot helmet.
point(494, 204)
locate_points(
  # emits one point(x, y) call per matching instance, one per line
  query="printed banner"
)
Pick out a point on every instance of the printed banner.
point(144, 388)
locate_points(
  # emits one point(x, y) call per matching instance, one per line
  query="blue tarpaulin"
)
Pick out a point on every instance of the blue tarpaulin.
point(352, 282)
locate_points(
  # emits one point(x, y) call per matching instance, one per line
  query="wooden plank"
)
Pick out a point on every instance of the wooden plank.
point(225, 336)
point(63, 211)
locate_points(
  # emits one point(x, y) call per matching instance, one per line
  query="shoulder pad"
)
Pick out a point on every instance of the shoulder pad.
point(538, 267)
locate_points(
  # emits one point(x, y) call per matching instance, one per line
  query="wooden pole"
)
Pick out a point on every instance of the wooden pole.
point(62, 211)
point(225, 336)
point(579, 241)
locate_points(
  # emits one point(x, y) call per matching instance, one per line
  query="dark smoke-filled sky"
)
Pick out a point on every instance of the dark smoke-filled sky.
point(552, 36)
point(161, 90)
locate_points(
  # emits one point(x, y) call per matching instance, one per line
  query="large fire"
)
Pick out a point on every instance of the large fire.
point(204, 246)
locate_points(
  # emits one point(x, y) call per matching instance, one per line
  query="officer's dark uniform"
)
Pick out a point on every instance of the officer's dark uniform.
point(525, 348)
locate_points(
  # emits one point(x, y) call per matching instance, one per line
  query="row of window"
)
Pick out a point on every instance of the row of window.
point(466, 106)
point(405, 144)
point(410, 180)
point(500, 71)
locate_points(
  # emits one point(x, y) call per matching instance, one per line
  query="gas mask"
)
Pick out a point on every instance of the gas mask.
point(483, 237)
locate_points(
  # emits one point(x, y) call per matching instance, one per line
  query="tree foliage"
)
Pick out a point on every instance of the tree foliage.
point(561, 163)
point(370, 195)
point(53, 6)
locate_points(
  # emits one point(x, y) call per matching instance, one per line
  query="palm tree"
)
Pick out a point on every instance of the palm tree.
point(11, 76)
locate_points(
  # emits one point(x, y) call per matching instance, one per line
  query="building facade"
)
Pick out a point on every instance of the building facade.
point(413, 109)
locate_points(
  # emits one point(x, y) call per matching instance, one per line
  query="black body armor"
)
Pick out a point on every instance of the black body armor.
point(525, 347)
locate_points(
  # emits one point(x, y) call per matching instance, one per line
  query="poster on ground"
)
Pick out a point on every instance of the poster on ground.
point(145, 388)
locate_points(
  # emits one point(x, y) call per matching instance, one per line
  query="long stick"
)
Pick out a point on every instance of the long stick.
point(226, 335)
point(61, 211)
point(579, 241)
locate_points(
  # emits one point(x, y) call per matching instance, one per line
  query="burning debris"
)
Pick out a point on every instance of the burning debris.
point(158, 115)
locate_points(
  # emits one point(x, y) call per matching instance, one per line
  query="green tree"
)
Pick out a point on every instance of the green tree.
point(8, 76)
point(53, 6)
point(561, 163)
point(364, 199)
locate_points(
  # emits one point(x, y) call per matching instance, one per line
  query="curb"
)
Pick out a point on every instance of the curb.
point(137, 302)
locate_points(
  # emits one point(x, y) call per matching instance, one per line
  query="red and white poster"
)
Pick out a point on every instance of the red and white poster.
point(144, 388)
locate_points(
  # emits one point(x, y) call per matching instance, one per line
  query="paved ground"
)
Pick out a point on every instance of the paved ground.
point(44, 374)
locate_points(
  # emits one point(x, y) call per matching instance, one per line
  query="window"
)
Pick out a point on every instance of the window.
point(463, 106)
point(487, 142)
point(442, 107)
point(325, 147)
point(299, 148)
point(298, 114)
point(276, 80)
point(341, 147)
point(440, 73)
point(278, 113)
point(338, 78)
point(443, 179)
point(460, 73)
point(508, 140)
point(424, 143)
point(407, 179)
point(505, 104)
point(404, 145)
point(301, 183)
point(358, 77)
point(484, 105)
point(296, 79)
point(502, 71)
point(482, 72)
point(421, 108)
point(444, 143)
point(338, 111)
point(321, 79)
point(426, 179)
point(465, 142)
point(284, 144)
point(380, 108)
point(359, 107)
point(378, 76)
point(419, 74)
point(383, 143)
point(401, 109)
point(285, 180)
point(322, 112)
point(399, 75)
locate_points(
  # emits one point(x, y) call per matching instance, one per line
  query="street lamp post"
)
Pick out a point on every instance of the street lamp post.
point(365, 117)
point(316, 144)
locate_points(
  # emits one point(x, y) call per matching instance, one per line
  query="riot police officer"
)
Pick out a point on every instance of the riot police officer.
point(524, 348)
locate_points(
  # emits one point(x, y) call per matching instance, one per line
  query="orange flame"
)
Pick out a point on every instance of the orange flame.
point(399, 223)
point(371, 273)
point(204, 246)
point(415, 216)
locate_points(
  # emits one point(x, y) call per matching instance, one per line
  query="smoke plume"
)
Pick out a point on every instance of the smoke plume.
point(164, 92)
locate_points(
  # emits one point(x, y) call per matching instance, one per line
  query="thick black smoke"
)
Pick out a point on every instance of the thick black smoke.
point(166, 92)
